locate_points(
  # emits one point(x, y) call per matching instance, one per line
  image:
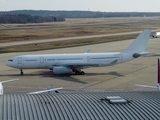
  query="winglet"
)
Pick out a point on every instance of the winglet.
point(89, 51)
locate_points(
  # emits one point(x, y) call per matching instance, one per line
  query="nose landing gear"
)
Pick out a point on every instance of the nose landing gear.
point(21, 72)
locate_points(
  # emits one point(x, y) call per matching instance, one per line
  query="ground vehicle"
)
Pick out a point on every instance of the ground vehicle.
point(157, 34)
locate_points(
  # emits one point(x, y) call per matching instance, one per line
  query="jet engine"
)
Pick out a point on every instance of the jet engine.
point(136, 55)
point(61, 70)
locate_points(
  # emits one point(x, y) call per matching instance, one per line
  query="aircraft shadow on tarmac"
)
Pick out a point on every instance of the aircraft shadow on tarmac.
point(71, 79)
point(66, 77)
point(50, 74)
point(114, 73)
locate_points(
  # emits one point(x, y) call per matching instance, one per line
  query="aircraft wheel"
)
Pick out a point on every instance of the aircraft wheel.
point(22, 72)
point(73, 70)
point(82, 73)
point(77, 73)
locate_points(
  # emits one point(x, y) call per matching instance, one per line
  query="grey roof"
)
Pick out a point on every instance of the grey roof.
point(80, 105)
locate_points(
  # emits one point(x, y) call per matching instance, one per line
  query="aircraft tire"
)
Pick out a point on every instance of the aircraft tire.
point(77, 73)
point(82, 73)
point(21, 73)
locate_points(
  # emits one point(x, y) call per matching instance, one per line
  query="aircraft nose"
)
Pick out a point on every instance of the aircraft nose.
point(6, 63)
point(10, 63)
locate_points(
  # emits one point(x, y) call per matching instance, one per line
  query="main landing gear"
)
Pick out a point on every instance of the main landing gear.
point(78, 72)
point(21, 72)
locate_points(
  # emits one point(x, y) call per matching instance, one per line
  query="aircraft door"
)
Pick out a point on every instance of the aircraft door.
point(41, 60)
point(19, 60)
point(88, 59)
point(120, 57)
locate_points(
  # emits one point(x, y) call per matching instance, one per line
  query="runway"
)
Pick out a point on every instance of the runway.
point(119, 77)
point(68, 38)
point(61, 39)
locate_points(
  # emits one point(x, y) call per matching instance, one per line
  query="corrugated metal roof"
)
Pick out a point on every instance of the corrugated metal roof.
point(80, 105)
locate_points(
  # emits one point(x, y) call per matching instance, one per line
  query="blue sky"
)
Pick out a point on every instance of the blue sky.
point(92, 5)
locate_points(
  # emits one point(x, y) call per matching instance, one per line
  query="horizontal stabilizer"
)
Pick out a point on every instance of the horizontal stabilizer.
point(136, 55)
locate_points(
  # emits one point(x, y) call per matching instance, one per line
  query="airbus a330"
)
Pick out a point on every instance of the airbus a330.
point(68, 63)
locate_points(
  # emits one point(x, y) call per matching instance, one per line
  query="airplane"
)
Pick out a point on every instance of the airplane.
point(37, 92)
point(68, 63)
point(158, 82)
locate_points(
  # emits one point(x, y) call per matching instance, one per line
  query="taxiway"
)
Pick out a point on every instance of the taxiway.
point(142, 70)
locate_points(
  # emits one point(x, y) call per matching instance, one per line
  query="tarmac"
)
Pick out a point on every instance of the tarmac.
point(120, 77)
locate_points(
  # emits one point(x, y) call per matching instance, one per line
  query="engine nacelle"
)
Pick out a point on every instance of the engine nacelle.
point(61, 70)
point(136, 55)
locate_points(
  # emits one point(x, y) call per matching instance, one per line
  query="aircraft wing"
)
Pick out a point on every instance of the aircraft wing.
point(38, 92)
point(77, 65)
point(86, 65)
point(146, 86)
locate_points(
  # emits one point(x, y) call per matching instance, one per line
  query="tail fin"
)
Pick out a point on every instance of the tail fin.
point(140, 43)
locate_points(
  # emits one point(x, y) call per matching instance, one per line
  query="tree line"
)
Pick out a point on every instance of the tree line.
point(25, 18)
point(82, 14)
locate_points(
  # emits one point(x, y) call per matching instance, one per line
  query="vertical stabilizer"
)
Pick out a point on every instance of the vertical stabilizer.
point(140, 43)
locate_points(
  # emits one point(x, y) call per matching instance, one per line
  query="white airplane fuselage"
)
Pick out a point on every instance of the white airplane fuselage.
point(48, 61)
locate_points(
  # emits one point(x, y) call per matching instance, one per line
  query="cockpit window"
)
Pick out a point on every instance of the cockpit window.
point(10, 60)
